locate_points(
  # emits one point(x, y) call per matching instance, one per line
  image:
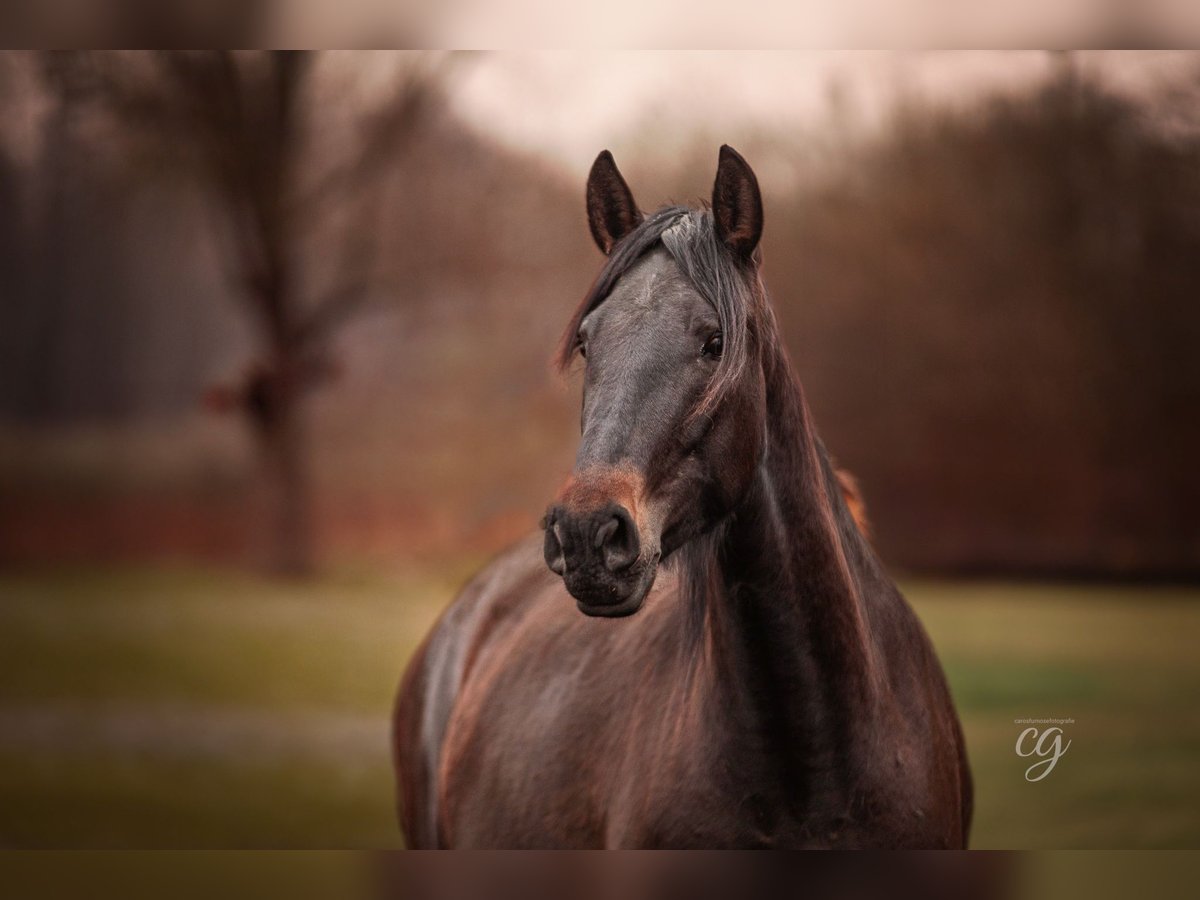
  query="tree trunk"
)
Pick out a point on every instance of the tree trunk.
point(292, 546)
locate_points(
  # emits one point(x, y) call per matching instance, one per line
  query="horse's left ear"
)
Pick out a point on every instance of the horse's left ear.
point(737, 204)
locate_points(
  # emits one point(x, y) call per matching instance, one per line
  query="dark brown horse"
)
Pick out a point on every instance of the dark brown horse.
point(774, 688)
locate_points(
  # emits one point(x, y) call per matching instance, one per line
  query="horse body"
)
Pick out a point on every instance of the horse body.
point(774, 688)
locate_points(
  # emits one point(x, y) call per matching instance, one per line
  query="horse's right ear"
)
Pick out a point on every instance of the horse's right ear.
point(612, 212)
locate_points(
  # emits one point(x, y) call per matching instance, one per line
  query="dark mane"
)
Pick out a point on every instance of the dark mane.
point(734, 290)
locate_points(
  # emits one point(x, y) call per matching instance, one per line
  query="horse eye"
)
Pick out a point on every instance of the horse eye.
point(713, 346)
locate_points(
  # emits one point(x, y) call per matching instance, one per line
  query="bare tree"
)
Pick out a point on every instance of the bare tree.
point(243, 122)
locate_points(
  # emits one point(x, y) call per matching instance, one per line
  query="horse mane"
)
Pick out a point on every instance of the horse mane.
point(852, 494)
point(732, 288)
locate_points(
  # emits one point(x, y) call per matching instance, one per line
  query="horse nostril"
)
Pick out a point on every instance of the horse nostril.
point(552, 548)
point(605, 531)
point(617, 541)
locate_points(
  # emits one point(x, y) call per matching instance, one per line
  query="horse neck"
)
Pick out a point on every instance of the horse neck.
point(782, 590)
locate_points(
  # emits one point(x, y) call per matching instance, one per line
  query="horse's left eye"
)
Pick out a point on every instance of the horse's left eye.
point(713, 346)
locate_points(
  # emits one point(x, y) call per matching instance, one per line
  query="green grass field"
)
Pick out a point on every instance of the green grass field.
point(191, 708)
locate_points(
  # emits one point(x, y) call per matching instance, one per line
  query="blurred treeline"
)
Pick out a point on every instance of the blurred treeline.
point(995, 313)
point(992, 307)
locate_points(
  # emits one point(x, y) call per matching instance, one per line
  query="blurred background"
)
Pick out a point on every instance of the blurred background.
point(275, 333)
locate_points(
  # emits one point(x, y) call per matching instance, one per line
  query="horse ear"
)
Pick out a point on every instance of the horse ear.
point(737, 204)
point(612, 212)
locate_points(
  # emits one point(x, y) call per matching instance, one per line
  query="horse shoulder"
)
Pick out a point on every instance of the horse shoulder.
point(430, 688)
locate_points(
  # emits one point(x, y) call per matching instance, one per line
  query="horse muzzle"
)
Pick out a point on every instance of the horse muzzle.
point(600, 554)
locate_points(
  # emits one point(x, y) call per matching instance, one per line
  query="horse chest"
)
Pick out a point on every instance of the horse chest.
point(712, 792)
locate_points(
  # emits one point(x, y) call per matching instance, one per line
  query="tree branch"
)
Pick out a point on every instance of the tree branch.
point(386, 132)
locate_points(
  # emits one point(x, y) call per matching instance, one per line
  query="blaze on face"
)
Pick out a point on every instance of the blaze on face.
point(655, 470)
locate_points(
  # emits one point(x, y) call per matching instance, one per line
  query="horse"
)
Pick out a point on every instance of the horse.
point(737, 670)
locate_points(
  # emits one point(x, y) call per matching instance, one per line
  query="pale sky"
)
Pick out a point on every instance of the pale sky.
point(570, 104)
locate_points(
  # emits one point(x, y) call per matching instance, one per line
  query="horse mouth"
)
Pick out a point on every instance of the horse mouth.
point(614, 601)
